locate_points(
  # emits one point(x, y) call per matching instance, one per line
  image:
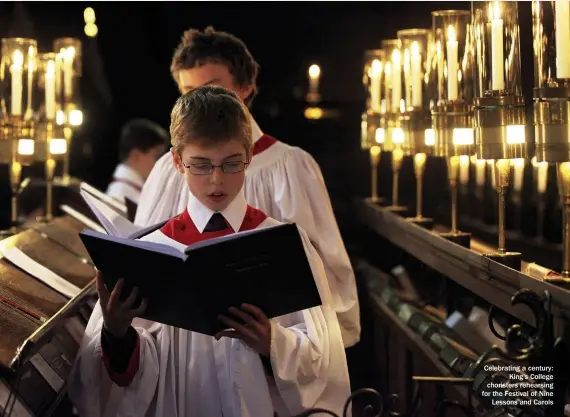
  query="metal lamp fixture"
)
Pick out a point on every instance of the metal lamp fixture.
point(392, 136)
point(371, 132)
point(452, 103)
point(68, 113)
point(499, 104)
point(551, 32)
point(416, 122)
point(17, 147)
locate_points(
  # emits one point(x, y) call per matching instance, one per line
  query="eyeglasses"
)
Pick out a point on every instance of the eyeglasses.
point(230, 167)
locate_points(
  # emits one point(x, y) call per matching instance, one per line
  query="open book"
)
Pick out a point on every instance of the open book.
point(265, 267)
point(113, 221)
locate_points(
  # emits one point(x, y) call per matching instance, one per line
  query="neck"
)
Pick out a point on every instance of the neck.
point(134, 166)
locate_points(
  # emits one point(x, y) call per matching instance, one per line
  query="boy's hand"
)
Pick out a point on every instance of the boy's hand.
point(117, 315)
point(256, 332)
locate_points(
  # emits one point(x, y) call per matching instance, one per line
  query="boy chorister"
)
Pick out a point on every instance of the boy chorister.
point(132, 367)
point(283, 181)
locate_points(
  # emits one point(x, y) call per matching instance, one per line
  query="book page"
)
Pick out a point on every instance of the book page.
point(142, 244)
point(114, 223)
point(40, 272)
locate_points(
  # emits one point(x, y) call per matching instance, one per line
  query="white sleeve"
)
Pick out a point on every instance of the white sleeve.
point(307, 353)
point(164, 194)
point(301, 196)
point(89, 386)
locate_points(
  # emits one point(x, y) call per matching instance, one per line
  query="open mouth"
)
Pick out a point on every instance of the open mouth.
point(217, 196)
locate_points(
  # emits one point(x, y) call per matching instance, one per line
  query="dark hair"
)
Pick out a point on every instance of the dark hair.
point(210, 114)
point(198, 48)
point(141, 134)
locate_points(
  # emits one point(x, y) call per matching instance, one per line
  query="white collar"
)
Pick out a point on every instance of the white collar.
point(125, 172)
point(233, 213)
point(256, 132)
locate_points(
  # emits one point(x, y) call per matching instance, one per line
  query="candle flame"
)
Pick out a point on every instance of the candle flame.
point(396, 57)
point(494, 11)
point(376, 68)
point(415, 48)
point(50, 70)
point(18, 59)
point(451, 37)
point(314, 71)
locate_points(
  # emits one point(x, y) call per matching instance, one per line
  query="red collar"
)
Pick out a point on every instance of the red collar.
point(183, 230)
point(263, 143)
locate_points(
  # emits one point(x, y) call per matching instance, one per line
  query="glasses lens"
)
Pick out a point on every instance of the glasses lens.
point(233, 167)
point(201, 169)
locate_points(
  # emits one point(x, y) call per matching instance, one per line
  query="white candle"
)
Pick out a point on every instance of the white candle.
point(562, 28)
point(376, 85)
point(416, 75)
point(17, 73)
point(396, 81)
point(497, 61)
point(407, 80)
point(68, 58)
point(387, 86)
point(452, 63)
point(50, 90)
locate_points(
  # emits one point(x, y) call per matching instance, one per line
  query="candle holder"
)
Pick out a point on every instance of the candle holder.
point(393, 107)
point(551, 21)
point(68, 72)
point(499, 104)
point(19, 68)
point(416, 120)
point(452, 112)
point(372, 130)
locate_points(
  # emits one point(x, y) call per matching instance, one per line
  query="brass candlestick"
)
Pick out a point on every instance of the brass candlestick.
point(374, 161)
point(397, 158)
point(552, 110)
point(499, 103)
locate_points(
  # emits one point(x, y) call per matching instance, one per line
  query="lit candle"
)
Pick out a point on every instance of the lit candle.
point(50, 90)
point(562, 11)
point(31, 69)
point(416, 75)
point(497, 61)
point(17, 72)
point(376, 85)
point(396, 80)
point(387, 86)
point(68, 58)
point(452, 63)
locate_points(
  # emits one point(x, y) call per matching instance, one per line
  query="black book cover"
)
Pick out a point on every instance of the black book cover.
point(264, 267)
point(131, 209)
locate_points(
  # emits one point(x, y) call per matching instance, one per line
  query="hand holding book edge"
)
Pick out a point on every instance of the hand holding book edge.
point(256, 332)
point(118, 315)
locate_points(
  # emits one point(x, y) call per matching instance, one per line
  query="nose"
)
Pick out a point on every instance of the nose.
point(217, 176)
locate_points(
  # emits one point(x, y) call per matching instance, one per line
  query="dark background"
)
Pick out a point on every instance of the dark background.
point(126, 70)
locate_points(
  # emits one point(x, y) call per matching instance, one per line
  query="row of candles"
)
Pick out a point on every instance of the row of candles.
point(39, 109)
point(455, 91)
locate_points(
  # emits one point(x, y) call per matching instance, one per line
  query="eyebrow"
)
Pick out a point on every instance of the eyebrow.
point(202, 158)
point(212, 81)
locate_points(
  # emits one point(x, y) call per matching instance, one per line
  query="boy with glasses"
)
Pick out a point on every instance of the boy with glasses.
point(282, 180)
point(170, 372)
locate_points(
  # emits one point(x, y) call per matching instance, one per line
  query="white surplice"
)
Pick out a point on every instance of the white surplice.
point(286, 183)
point(126, 182)
point(186, 374)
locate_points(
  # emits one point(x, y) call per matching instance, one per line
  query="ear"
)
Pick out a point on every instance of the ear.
point(245, 92)
point(177, 162)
